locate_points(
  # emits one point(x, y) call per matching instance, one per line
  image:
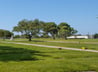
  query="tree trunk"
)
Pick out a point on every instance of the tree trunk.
point(30, 37)
point(53, 36)
point(65, 37)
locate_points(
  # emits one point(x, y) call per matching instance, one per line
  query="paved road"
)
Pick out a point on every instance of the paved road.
point(53, 46)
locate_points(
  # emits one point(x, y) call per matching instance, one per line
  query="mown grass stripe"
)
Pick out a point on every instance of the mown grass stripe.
point(53, 46)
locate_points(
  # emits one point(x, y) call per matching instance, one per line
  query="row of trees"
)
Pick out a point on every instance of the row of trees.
point(5, 34)
point(35, 27)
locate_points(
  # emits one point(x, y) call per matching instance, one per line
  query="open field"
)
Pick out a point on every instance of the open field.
point(22, 58)
point(91, 44)
point(75, 40)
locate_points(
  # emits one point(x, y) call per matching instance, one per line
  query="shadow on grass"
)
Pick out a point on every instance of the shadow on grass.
point(38, 41)
point(8, 53)
point(29, 41)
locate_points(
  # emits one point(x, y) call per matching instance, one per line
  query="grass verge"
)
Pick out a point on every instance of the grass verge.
point(22, 58)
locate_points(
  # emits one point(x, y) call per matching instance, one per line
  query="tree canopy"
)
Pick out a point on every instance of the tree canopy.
point(35, 27)
point(28, 27)
point(5, 33)
point(65, 30)
point(96, 35)
point(50, 28)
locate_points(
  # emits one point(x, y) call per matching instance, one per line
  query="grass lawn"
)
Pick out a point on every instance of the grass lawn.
point(50, 39)
point(74, 43)
point(22, 58)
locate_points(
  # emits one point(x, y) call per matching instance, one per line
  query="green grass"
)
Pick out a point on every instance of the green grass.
point(50, 39)
point(76, 40)
point(22, 58)
point(79, 44)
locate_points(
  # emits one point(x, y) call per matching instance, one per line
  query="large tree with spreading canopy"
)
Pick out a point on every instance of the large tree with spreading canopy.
point(34, 27)
point(28, 27)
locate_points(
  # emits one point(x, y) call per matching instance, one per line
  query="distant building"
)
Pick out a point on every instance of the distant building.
point(80, 37)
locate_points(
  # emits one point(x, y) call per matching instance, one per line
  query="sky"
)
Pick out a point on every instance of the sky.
point(79, 14)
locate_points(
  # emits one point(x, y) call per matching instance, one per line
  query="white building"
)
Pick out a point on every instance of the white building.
point(79, 37)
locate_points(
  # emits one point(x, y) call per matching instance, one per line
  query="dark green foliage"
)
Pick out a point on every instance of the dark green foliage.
point(17, 36)
point(45, 35)
point(28, 28)
point(50, 28)
point(65, 30)
point(96, 35)
point(36, 28)
point(5, 33)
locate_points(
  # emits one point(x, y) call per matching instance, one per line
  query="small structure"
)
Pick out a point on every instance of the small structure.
point(80, 37)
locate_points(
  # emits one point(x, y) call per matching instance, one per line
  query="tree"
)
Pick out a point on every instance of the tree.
point(96, 35)
point(36, 28)
point(65, 30)
point(1, 33)
point(17, 36)
point(50, 28)
point(28, 28)
point(5, 33)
